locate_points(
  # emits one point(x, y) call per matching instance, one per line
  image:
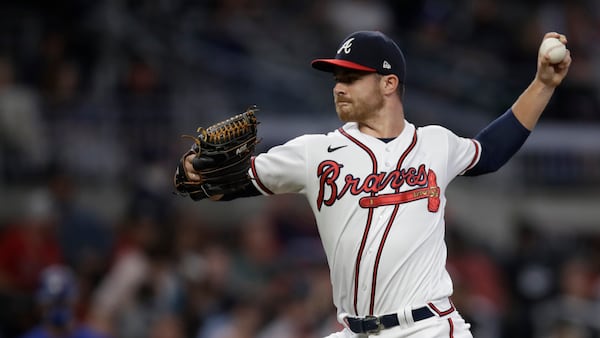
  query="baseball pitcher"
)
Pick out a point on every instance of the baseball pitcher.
point(376, 185)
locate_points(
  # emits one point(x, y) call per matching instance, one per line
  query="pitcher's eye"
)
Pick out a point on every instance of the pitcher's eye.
point(346, 79)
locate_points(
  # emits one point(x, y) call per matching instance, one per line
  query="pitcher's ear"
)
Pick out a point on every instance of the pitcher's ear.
point(390, 83)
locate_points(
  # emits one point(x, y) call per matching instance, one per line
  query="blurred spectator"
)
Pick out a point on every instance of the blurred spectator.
point(197, 255)
point(167, 327)
point(141, 285)
point(307, 310)
point(85, 238)
point(209, 297)
point(256, 259)
point(290, 322)
point(143, 103)
point(477, 267)
point(479, 284)
point(574, 308)
point(531, 272)
point(79, 126)
point(27, 246)
point(242, 320)
point(23, 143)
point(57, 298)
point(483, 317)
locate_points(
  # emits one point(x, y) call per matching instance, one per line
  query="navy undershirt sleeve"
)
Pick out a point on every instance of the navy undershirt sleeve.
point(499, 140)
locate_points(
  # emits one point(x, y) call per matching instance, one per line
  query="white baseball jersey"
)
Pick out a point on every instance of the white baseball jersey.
point(379, 208)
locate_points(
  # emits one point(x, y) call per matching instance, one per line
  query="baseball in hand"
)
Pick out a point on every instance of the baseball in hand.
point(555, 49)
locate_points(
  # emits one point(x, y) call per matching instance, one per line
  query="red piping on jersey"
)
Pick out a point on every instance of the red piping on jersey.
point(260, 184)
point(451, 323)
point(389, 226)
point(474, 157)
point(369, 219)
point(440, 312)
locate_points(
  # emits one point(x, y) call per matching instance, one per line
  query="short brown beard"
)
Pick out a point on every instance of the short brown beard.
point(362, 110)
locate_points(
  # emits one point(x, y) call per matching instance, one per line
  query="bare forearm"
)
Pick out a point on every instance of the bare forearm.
point(529, 106)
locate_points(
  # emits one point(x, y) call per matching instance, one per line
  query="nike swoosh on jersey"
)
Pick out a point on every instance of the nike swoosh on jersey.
point(331, 149)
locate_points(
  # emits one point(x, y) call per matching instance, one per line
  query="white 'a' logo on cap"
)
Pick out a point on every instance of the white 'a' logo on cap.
point(346, 46)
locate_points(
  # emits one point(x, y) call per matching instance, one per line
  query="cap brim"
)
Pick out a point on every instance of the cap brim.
point(328, 65)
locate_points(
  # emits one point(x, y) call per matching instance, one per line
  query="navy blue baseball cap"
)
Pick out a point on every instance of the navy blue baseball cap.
point(370, 51)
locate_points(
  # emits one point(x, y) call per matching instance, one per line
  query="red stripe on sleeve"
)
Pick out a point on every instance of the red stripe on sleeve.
point(475, 157)
point(256, 179)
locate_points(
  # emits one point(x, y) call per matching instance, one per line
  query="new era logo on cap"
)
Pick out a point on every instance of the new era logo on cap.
point(370, 51)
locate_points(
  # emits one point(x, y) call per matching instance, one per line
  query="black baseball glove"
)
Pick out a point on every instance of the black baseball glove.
point(222, 157)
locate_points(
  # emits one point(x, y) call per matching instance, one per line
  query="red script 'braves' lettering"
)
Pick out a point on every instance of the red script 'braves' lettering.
point(329, 172)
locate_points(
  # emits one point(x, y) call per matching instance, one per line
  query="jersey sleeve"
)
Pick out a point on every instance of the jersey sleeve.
point(463, 153)
point(282, 169)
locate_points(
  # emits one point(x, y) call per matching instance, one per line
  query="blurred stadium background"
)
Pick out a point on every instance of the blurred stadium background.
point(94, 96)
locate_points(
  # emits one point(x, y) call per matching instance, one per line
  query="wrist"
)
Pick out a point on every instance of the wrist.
point(541, 87)
point(547, 80)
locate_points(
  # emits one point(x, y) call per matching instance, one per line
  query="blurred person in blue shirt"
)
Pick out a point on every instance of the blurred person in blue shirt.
point(57, 299)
